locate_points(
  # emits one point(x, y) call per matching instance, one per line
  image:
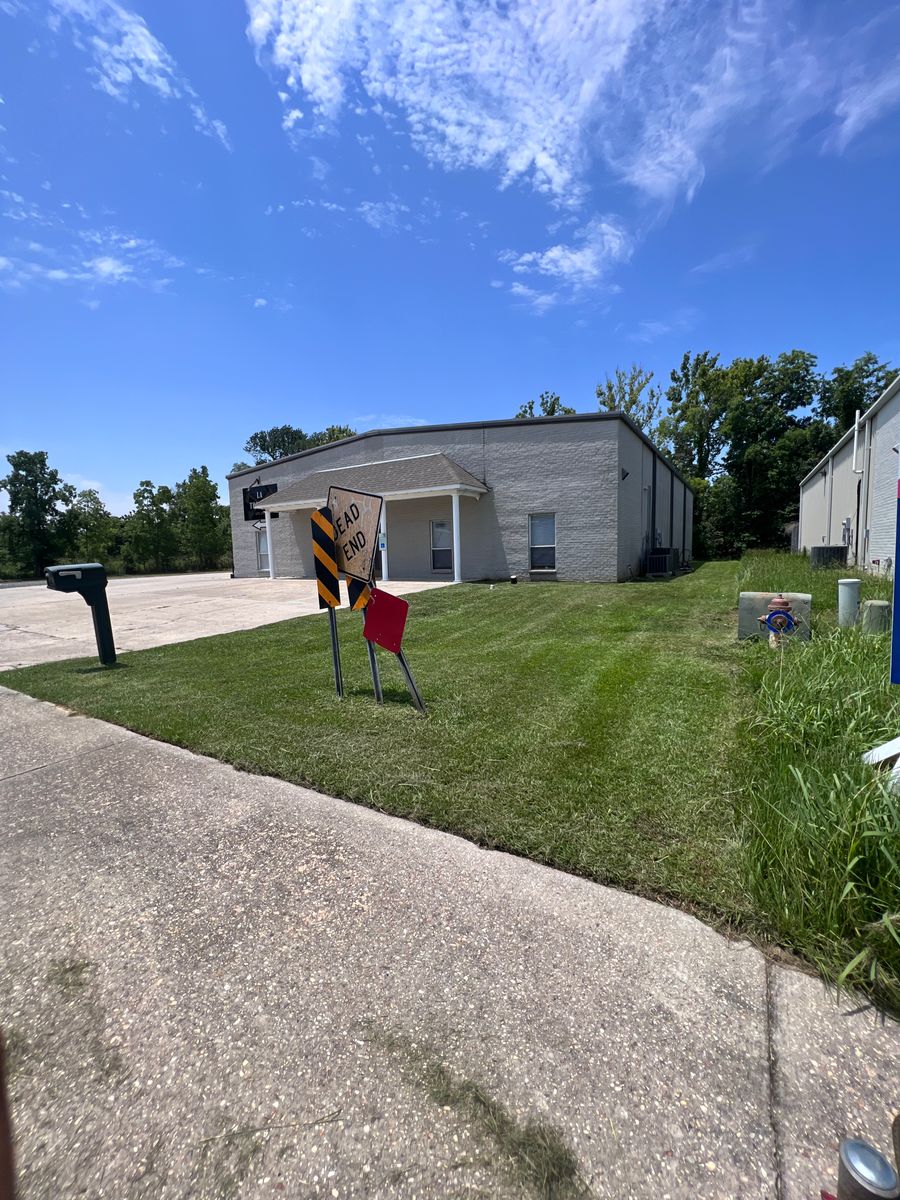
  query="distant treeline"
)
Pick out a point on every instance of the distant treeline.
point(184, 528)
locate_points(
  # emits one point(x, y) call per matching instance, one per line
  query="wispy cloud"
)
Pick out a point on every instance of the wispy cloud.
point(380, 420)
point(125, 52)
point(652, 330)
point(92, 258)
point(726, 260)
point(864, 102)
point(543, 90)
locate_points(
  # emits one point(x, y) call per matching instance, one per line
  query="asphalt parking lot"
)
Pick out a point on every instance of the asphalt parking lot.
point(38, 625)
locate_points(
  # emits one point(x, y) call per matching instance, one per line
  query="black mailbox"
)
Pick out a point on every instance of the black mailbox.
point(89, 581)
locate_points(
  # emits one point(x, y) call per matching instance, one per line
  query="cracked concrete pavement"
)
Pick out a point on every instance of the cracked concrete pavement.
point(215, 984)
point(38, 625)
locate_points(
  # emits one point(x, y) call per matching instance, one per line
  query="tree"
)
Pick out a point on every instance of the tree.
point(851, 388)
point(549, 405)
point(197, 514)
point(91, 530)
point(626, 394)
point(37, 499)
point(151, 538)
point(334, 433)
point(240, 466)
point(772, 441)
point(697, 402)
point(267, 445)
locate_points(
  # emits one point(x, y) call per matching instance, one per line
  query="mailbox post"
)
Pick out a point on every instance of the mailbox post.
point(89, 581)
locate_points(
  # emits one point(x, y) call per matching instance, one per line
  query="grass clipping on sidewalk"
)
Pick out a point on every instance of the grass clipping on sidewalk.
point(616, 731)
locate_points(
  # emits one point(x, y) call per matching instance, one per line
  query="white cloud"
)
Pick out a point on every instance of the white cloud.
point(600, 244)
point(290, 119)
point(125, 52)
point(541, 89)
point(387, 216)
point(539, 302)
point(259, 302)
point(108, 269)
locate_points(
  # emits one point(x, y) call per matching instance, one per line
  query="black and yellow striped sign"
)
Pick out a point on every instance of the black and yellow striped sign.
point(359, 593)
point(326, 568)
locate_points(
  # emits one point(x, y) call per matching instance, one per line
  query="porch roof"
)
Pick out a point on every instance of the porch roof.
point(393, 478)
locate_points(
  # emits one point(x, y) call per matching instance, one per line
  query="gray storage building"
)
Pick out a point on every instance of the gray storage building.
point(581, 497)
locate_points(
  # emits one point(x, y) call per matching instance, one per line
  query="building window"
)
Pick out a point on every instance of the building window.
point(441, 546)
point(542, 541)
point(262, 551)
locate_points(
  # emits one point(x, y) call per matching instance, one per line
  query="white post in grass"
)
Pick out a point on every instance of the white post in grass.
point(457, 575)
point(269, 546)
point(385, 576)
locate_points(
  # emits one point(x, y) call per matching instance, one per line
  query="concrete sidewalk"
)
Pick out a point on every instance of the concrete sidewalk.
point(219, 985)
point(38, 625)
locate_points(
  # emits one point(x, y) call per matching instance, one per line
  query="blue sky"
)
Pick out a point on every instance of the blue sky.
point(221, 216)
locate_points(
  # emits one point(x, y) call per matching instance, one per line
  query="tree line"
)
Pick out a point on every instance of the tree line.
point(743, 433)
point(169, 529)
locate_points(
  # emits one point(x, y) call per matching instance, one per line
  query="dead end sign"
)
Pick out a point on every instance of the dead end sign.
point(356, 517)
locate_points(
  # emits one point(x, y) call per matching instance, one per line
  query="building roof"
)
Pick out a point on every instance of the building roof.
point(892, 390)
point(507, 421)
point(392, 477)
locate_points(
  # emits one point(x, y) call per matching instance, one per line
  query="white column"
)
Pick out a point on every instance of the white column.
point(270, 545)
point(457, 576)
point(382, 528)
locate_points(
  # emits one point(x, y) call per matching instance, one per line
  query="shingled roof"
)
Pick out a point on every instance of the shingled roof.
point(393, 477)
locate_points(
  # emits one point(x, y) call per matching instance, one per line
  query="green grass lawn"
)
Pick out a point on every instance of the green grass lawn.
point(616, 731)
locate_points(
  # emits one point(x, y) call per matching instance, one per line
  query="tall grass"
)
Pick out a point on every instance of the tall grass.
point(821, 830)
point(774, 570)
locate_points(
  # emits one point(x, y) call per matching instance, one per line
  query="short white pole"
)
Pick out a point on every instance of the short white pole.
point(382, 525)
point(269, 544)
point(457, 566)
point(848, 602)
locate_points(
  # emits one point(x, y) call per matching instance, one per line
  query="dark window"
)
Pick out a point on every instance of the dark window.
point(542, 541)
point(441, 546)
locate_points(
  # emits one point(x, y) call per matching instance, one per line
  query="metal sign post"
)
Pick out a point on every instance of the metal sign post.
point(895, 623)
point(360, 593)
point(385, 623)
point(327, 584)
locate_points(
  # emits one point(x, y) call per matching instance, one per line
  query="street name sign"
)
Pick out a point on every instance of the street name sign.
point(356, 517)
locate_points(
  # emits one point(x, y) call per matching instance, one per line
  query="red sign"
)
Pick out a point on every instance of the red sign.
point(385, 620)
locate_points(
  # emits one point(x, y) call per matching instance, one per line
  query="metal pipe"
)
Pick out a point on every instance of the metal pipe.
point(864, 513)
point(848, 602)
point(856, 470)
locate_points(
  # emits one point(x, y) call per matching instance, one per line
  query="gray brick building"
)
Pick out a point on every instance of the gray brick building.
point(583, 497)
point(850, 497)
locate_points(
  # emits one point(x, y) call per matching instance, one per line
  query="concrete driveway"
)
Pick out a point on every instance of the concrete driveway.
point(218, 985)
point(37, 625)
